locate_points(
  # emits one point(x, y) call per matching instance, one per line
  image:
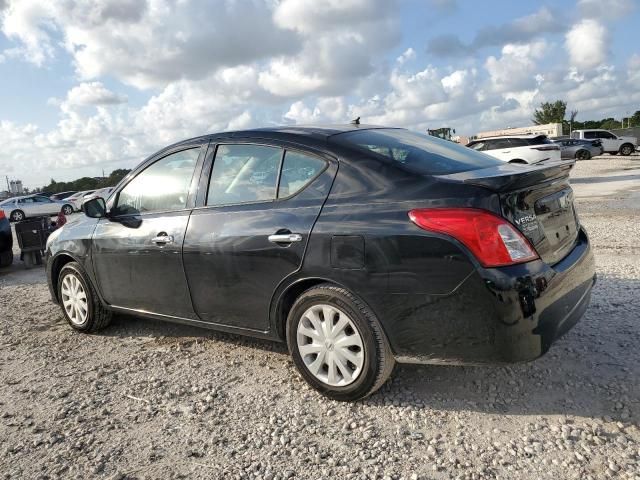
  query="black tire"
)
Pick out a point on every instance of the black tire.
point(626, 149)
point(378, 358)
point(17, 216)
point(583, 155)
point(98, 317)
point(6, 258)
point(67, 209)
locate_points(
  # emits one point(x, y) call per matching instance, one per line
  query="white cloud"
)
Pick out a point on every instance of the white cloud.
point(515, 69)
point(587, 44)
point(93, 93)
point(408, 55)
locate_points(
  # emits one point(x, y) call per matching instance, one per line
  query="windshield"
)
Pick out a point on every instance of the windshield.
point(423, 154)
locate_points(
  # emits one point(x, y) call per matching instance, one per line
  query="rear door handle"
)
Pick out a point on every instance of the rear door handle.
point(163, 239)
point(285, 238)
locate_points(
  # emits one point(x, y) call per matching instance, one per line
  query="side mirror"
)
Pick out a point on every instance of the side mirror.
point(95, 208)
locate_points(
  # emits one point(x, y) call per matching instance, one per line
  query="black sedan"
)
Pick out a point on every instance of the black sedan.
point(358, 246)
point(6, 241)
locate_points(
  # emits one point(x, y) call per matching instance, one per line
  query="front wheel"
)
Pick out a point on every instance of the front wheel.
point(337, 343)
point(67, 209)
point(80, 303)
point(626, 150)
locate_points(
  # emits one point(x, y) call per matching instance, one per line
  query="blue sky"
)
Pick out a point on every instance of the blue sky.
point(93, 85)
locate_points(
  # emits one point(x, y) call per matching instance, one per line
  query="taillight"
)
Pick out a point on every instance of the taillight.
point(2, 215)
point(493, 240)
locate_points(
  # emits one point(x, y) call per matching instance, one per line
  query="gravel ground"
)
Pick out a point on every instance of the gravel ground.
point(146, 399)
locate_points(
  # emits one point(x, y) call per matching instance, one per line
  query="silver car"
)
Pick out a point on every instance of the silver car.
point(579, 149)
point(19, 208)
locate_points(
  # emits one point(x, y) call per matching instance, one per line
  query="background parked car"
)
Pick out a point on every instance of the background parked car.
point(611, 143)
point(518, 148)
point(62, 195)
point(78, 198)
point(19, 208)
point(6, 241)
point(579, 149)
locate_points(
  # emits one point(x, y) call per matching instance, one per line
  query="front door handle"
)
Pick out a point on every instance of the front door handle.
point(285, 238)
point(163, 239)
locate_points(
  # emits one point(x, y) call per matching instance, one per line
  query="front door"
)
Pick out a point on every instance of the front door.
point(252, 229)
point(137, 250)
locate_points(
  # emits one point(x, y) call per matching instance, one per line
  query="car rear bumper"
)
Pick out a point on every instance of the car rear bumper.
point(498, 315)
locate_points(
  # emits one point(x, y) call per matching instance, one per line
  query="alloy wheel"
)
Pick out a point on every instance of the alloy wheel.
point(18, 216)
point(330, 345)
point(67, 210)
point(74, 299)
point(625, 150)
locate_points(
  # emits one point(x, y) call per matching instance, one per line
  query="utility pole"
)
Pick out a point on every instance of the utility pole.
point(8, 187)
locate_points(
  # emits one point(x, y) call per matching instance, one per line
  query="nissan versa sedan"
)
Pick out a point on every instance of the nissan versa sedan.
point(357, 246)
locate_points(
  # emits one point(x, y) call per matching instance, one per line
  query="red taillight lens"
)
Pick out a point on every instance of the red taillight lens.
point(2, 215)
point(493, 240)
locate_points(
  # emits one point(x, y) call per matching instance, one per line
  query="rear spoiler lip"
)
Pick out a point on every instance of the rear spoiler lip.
point(510, 177)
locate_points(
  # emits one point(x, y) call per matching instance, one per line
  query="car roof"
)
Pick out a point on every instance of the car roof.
point(284, 132)
point(527, 135)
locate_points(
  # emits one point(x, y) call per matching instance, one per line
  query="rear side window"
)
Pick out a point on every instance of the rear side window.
point(244, 173)
point(539, 140)
point(416, 152)
point(518, 142)
point(590, 135)
point(160, 187)
point(298, 170)
point(499, 143)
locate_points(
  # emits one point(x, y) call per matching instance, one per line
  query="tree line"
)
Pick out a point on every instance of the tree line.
point(556, 112)
point(86, 183)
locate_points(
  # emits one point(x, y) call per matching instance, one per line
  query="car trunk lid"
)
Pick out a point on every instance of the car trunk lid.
point(537, 200)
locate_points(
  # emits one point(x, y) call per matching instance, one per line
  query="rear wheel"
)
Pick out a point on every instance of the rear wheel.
point(583, 155)
point(67, 209)
point(80, 303)
point(17, 216)
point(337, 343)
point(626, 149)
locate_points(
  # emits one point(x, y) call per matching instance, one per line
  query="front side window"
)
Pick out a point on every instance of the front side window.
point(162, 186)
point(298, 170)
point(244, 173)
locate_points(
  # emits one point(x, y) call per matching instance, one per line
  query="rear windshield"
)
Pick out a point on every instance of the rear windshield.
point(423, 154)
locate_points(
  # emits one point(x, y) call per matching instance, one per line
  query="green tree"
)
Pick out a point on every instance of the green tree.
point(550, 112)
point(634, 121)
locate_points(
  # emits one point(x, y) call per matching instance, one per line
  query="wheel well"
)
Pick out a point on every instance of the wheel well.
point(517, 160)
point(288, 298)
point(627, 144)
point(58, 263)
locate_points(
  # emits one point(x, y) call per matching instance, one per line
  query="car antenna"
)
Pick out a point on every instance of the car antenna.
point(356, 121)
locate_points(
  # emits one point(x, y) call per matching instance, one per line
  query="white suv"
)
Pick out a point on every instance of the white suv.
point(518, 148)
point(611, 143)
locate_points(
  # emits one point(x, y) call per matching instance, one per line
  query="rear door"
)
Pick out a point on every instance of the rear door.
point(250, 232)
